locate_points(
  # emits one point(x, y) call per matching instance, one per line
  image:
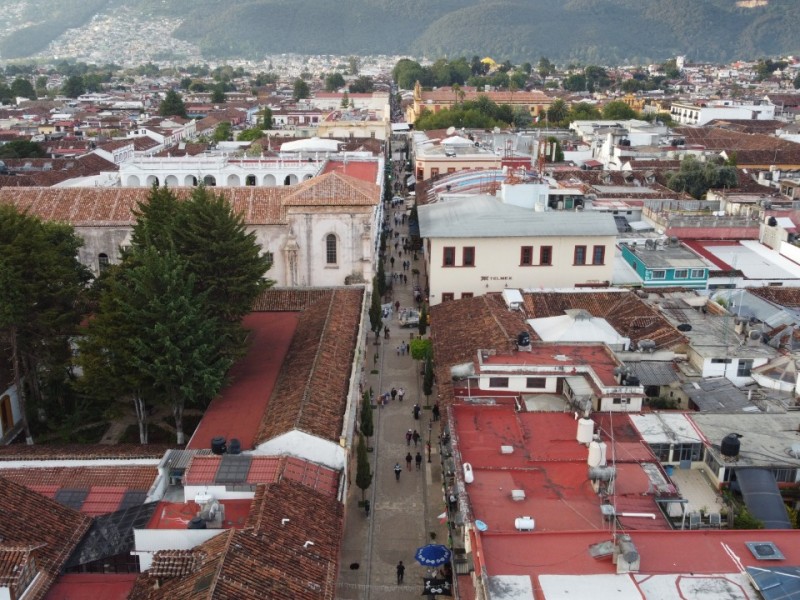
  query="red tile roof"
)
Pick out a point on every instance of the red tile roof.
point(364, 170)
point(118, 477)
point(30, 519)
point(258, 205)
point(269, 559)
point(312, 387)
point(92, 586)
point(238, 410)
point(80, 451)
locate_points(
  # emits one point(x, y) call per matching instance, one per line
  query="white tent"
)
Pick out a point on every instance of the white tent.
point(578, 326)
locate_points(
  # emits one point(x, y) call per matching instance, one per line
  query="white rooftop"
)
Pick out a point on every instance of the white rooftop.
point(665, 428)
point(313, 144)
point(755, 260)
point(577, 326)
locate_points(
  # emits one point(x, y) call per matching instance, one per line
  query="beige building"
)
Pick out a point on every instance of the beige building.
point(435, 100)
point(453, 154)
point(319, 233)
point(479, 244)
point(348, 124)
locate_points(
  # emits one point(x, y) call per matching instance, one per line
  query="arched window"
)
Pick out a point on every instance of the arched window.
point(102, 261)
point(250, 180)
point(330, 249)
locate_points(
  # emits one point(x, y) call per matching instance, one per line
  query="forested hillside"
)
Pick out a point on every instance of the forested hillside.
point(594, 31)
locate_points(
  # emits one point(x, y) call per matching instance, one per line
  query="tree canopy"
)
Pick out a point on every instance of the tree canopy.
point(300, 90)
point(172, 105)
point(696, 178)
point(41, 284)
point(22, 149)
point(334, 81)
point(168, 325)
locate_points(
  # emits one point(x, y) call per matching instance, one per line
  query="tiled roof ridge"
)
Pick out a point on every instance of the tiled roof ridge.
point(220, 565)
point(320, 346)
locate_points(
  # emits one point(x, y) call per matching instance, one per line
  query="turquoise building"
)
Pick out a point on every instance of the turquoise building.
point(667, 264)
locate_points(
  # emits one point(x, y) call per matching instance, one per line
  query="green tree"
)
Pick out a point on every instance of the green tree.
point(423, 319)
point(185, 83)
point(366, 422)
point(179, 354)
point(218, 94)
point(583, 111)
point(73, 87)
point(222, 132)
point(345, 100)
point(420, 348)
point(41, 282)
point(172, 105)
point(363, 469)
point(618, 110)
point(575, 83)
point(333, 82)
point(250, 135)
point(407, 72)
point(23, 88)
point(558, 111)
point(696, 178)
point(362, 85)
point(554, 153)
point(427, 378)
point(353, 63)
point(671, 69)
point(22, 149)
point(522, 117)
point(545, 68)
point(300, 90)
point(266, 118)
point(375, 309)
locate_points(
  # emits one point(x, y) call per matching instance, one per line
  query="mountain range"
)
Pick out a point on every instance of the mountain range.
point(587, 31)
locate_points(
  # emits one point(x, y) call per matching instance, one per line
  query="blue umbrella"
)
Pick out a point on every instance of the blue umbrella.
point(433, 555)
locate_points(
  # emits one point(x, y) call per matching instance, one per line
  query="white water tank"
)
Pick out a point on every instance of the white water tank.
point(595, 457)
point(585, 430)
point(603, 454)
point(469, 477)
point(524, 523)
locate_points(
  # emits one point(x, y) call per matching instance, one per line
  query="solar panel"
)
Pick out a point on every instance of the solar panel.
point(778, 583)
point(233, 468)
point(71, 498)
point(132, 498)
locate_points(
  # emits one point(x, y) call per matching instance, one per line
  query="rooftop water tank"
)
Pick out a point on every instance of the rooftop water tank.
point(523, 339)
point(196, 523)
point(524, 523)
point(585, 431)
point(594, 454)
point(218, 445)
point(730, 445)
point(469, 477)
point(235, 447)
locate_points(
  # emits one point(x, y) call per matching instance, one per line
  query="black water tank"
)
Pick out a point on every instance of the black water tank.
point(235, 446)
point(730, 445)
point(632, 380)
point(684, 327)
point(218, 445)
point(524, 339)
point(196, 523)
point(772, 222)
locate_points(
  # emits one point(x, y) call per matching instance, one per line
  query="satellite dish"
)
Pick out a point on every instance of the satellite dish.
point(451, 130)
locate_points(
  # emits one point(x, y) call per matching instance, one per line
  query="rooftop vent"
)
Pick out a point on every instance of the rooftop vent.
point(524, 524)
point(765, 550)
point(518, 495)
point(506, 449)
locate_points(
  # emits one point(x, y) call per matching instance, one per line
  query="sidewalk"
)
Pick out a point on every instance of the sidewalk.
point(403, 513)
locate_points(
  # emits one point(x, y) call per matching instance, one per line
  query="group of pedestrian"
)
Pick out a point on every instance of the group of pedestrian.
point(412, 435)
point(417, 459)
point(406, 266)
point(402, 349)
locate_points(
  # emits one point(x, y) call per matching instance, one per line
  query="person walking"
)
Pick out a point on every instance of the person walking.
point(397, 470)
point(409, 458)
point(366, 507)
point(435, 411)
point(416, 412)
point(428, 448)
point(400, 393)
point(401, 571)
point(409, 436)
point(416, 437)
point(418, 460)
point(394, 393)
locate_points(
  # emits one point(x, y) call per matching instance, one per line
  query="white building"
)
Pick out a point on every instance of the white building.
point(687, 113)
point(480, 244)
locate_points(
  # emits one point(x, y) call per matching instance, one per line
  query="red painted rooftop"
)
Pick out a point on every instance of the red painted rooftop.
point(363, 170)
point(549, 465)
point(237, 411)
point(661, 552)
point(701, 247)
point(202, 470)
point(598, 356)
point(176, 515)
point(92, 586)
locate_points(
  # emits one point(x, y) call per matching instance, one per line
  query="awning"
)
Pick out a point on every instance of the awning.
point(763, 498)
point(580, 387)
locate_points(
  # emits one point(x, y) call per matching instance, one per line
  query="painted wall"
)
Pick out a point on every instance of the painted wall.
point(497, 265)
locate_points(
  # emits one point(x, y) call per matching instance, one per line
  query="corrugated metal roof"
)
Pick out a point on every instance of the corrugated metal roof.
point(653, 373)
